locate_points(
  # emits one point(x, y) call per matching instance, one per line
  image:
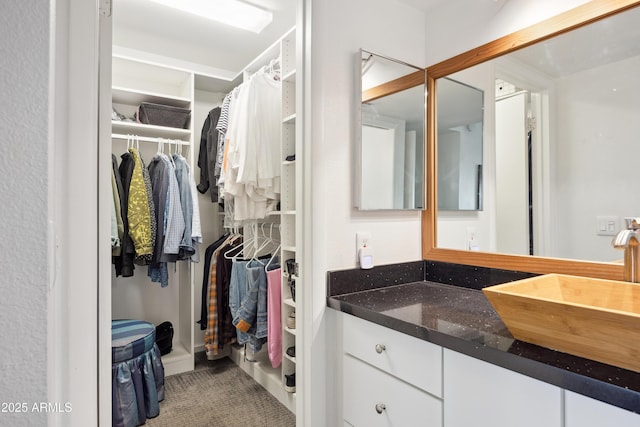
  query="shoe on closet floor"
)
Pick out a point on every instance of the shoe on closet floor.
point(290, 383)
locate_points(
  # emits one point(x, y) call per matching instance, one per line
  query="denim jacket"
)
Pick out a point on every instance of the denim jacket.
point(248, 302)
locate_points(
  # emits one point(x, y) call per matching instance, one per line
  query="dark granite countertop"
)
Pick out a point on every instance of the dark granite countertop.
point(462, 319)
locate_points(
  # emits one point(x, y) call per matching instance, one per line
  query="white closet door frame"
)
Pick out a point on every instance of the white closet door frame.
point(104, 218)
point(75, 356)
point(79, 332)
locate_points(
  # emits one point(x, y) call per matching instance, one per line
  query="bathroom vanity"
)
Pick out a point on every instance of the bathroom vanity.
point(420, 342)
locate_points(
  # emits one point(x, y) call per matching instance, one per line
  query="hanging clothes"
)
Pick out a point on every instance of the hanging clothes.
point(186, 249)
point(116, 188)
point(124, 264)
point(250, 168)
point(274, 311)
point(141, 212)
point(196, 227)
point(159, 173)
point(156, 213)
point(174, 219)
point(248, 302)
point(223, 127)
point(217, 318)
point(225, 332)
point(208, 259)
point(208, 153)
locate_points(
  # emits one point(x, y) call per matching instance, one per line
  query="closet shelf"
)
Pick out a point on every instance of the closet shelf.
point(289, 76)
point(149, 130)
point(291, 331)
point(290, 119)
point(288, 212)
point(290, 302)
point(289, 248)
point(292, 359)
point(150, 139)
point(288, 162)
point(128, 96)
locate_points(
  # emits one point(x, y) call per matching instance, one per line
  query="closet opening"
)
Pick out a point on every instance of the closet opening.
point(205, 240)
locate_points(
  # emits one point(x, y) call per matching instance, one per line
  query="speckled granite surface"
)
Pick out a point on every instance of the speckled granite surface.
point(459, 317)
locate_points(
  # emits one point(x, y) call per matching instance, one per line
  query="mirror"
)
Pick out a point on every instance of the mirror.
point(460, 113)
point(390, 134)
point(559, 147)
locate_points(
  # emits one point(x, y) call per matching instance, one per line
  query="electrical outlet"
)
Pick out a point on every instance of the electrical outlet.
point(473, 243)
point(362, 237)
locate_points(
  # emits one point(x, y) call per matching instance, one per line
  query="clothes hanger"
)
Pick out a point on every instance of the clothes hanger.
point(268, 240)
point(239, 248)
point(275, 253)
point(274, 256)
point(170, 156)
point(265, 243)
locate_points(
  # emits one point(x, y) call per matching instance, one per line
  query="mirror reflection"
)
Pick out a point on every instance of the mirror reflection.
point(560, 157)
point(390, 167)
point(460, 112)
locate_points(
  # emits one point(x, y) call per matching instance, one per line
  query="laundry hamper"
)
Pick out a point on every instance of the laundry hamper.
point(137, 373)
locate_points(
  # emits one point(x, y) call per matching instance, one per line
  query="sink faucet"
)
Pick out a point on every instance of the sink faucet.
point(629, 240)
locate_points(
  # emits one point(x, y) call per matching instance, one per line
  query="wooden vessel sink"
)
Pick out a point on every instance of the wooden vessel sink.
point(593, 318)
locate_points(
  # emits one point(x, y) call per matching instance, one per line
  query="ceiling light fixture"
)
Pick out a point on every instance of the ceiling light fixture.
point(230, 12)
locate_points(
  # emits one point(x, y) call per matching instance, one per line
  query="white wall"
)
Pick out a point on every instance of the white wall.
point(24, 55)
point(339, 29)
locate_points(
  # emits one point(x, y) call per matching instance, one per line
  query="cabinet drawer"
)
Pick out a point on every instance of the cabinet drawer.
point(583, 411)
point(366, 389)
point(413, 360)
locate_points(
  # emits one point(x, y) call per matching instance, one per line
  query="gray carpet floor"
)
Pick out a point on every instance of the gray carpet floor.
point(219, 394)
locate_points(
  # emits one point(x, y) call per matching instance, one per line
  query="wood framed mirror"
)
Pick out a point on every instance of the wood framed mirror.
point(562, 24)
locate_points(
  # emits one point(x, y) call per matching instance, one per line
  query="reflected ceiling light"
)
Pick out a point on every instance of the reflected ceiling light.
point(230, 12)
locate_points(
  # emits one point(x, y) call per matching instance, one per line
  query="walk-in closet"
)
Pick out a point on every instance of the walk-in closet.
point(206, 240)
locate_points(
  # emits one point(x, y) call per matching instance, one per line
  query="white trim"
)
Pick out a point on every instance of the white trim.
point(177, 64)
point(73, 362)
point(304, 217)
point(104, 190)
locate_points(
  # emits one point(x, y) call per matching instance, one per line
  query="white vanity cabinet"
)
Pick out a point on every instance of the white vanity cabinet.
point(477, 393)
point(393, 379)
point(390, 378)
point(583, 411)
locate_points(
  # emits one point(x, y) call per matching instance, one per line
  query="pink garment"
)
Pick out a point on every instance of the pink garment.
point(274, 316)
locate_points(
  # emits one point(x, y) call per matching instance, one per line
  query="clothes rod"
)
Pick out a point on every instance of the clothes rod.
point(149, 139)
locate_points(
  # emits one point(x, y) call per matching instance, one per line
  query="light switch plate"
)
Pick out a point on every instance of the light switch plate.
point(607, 225)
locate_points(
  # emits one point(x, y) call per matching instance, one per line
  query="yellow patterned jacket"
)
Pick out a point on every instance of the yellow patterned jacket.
point(140, 211)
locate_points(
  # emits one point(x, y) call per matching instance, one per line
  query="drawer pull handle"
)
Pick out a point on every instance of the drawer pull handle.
point(380, 408)
point(380, 348)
